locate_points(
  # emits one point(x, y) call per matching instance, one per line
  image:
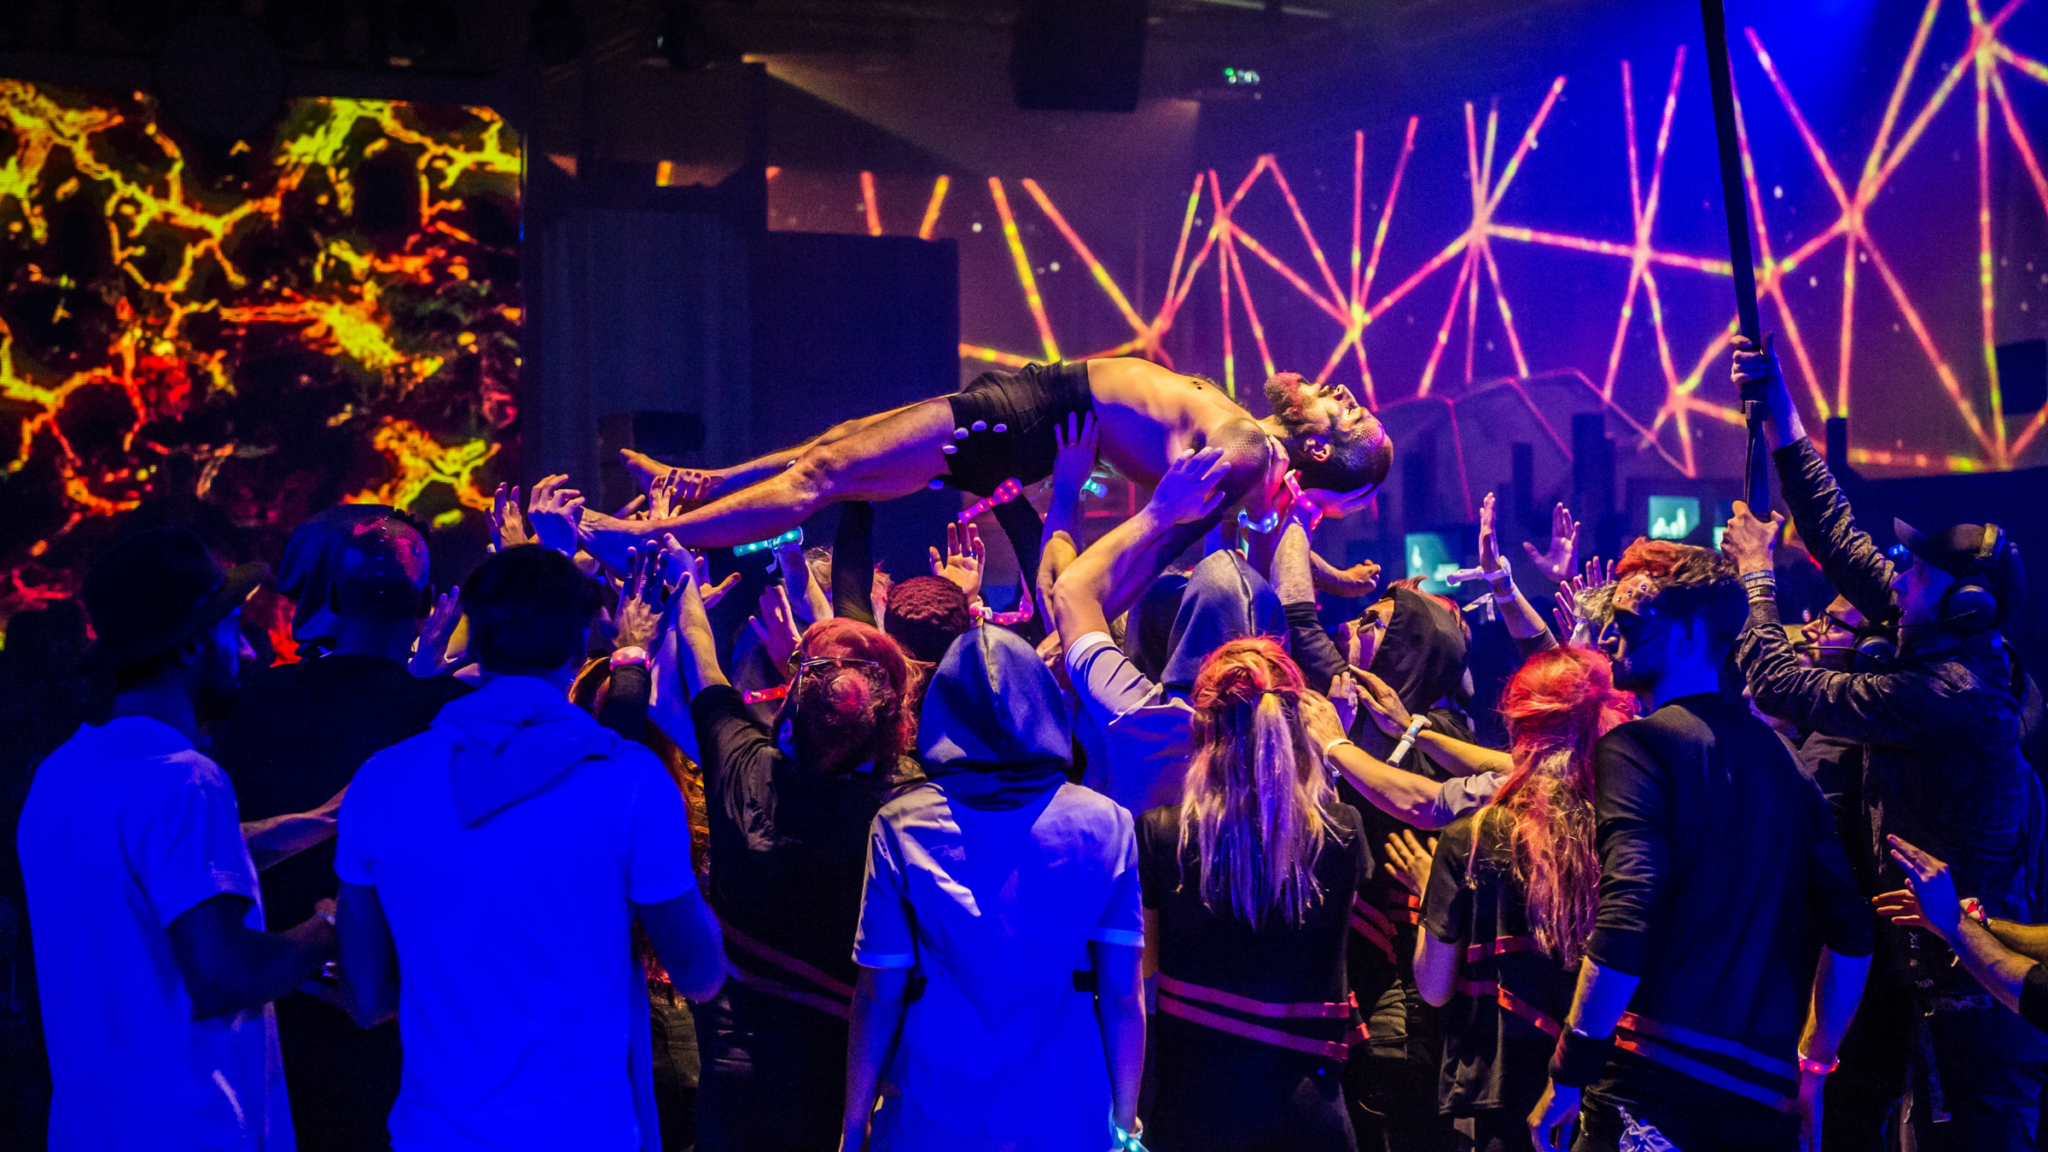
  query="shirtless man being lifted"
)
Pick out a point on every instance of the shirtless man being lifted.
point(1002, 426)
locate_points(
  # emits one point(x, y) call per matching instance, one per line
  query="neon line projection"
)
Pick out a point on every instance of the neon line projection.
point(1326, 273)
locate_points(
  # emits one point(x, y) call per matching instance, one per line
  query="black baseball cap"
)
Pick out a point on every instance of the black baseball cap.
point(156, 590)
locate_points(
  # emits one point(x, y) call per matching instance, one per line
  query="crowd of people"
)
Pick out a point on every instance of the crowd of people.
point(1156, 858)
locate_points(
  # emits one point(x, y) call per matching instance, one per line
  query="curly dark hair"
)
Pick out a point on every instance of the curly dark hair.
point(926, 613)
point(1359, 458)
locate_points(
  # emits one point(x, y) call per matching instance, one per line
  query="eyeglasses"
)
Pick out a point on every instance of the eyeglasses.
point(807, 666)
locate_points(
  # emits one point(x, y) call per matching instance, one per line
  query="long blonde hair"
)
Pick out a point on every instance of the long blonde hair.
point(1253, 807)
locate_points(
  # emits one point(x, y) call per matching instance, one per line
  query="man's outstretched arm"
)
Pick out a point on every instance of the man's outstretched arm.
point(1854, 564)
point(1108, 577)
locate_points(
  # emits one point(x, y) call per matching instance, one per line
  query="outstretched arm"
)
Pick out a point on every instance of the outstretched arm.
point(1930, 903)
point(1108, 577)
point(1071, 468)
point(1853, 563)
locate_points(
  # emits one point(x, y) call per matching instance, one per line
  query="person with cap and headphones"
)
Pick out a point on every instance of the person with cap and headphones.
point(151, 951)
point(1942, 768)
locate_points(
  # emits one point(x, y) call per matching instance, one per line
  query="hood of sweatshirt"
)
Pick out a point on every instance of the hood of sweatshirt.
point(514, 737)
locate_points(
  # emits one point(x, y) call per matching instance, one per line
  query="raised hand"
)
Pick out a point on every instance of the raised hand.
point(1191, 488)
point(965, 558)
point(1361, 579)
point(1320, 720)
point(1750, 542)
point(681, 564)
point(1564, 543)
point(1489, 540)
point(777, 626)
point(1933, 887)
point(1565, 610)
point(1344, 698)
point(555, 510)
point(1383, 704)
point(430, 656)
point(642, 601)
point(1074, 460)
point(508, 527)
point(1408, 860)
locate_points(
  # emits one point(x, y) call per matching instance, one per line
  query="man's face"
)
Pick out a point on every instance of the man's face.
point(1920, 587)
point(220, 669)
point(1828, 640)
point(1326, 411)
point(1637, 642)
point(1364, 635)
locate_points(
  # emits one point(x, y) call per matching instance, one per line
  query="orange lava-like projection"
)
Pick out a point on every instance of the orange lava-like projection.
point(233, 339)
point(1215, 229)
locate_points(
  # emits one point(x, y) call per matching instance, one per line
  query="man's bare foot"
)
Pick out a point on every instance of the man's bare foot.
point(688, 487)
point(644, 469)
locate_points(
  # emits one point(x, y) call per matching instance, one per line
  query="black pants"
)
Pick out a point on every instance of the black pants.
point(342, 1080)
point(1964, 1058)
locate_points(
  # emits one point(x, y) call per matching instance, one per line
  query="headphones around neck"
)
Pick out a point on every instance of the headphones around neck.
point(1971, 605)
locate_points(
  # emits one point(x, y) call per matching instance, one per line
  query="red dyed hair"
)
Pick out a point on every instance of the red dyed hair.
point(1253, 806)
point(1556, 706)
point(854, 713)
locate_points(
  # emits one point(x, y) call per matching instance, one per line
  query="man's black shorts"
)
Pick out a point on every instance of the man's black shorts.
point(1017, 413)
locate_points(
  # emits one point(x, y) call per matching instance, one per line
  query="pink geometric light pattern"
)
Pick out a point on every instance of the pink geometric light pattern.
point(1352, 307)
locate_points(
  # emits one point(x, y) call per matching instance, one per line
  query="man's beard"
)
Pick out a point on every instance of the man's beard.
point(1634, 673)
point(215, 700)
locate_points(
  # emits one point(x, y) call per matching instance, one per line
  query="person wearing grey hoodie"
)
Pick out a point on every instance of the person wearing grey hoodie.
point(491, 869)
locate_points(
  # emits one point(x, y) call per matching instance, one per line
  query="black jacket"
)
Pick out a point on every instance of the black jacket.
point(1942, 762)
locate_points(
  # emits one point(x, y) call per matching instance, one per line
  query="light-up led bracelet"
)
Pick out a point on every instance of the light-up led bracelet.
point(793, 536)
point(1416, 724)
point(1020, 616)
point(1005, 492)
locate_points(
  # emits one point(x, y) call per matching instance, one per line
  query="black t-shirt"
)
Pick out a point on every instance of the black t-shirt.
point(1493, 1058)
point(1280, 963)
point(296, 737)
point(788, 854)
point(1719, 867)
point(1217, 1090)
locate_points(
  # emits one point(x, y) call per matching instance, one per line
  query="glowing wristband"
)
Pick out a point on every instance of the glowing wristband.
point(763, 695)
point(1296, 499)
point(1005, 492)
point(1096, 486)
point(1263, 525)
point(1123, 1141)
point(1816, 1067)
point(1021, 616)
point(793, 536)
point(1415, 724)
point(631, 654)
point(1974, 909)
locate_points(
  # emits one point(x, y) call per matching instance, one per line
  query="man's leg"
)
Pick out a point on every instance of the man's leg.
point(889, 458)
point(645, 469)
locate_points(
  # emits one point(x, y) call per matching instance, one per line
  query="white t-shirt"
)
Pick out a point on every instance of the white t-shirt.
point(126, 828)
point(519, 999)
point(1141, 728)
point(996, 909)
